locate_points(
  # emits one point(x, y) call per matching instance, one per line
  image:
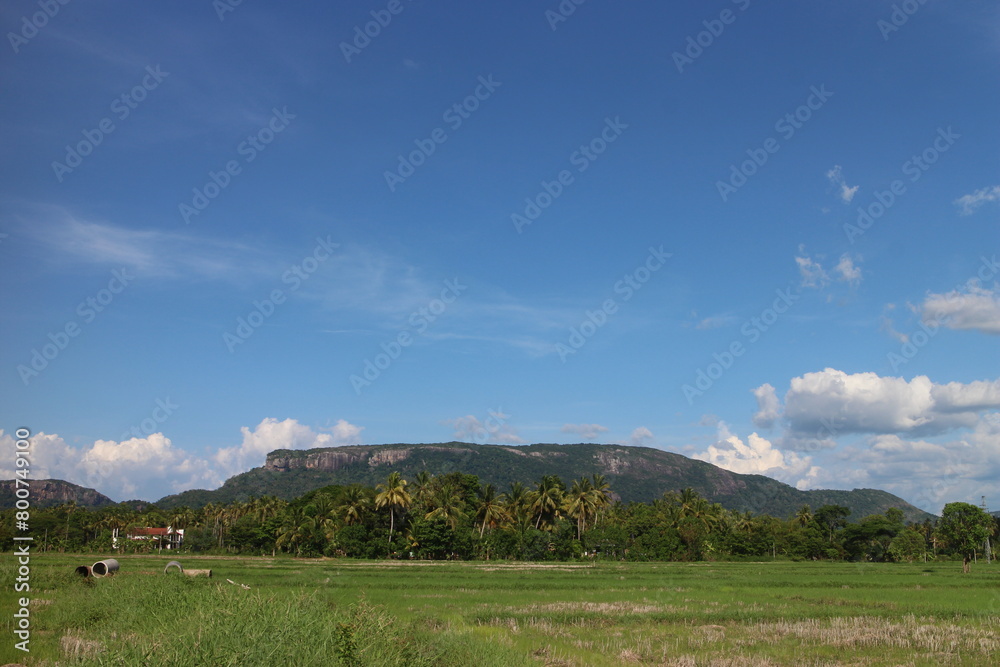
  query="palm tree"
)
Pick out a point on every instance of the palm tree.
point(182, 517)
point(518, 500)
point(423, 489)
point(602, 495)
point(804, 515)
point(518, 509)
point(580, 504)
point(448, 505)
point(296, 529)
point(354, 503)
point(324, 504)
point(687, 499)
point(743, 522)
point(546, 500)
point(266, 507)
point(708, 514)
point(392, 494)
point(214, 515)
point(490, 509)
point(117, 518)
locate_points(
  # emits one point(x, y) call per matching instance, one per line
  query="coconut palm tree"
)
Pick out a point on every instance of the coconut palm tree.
point(448, 505)
point(490, 510)
point(580, 504)
point(324, 504)
point(687, 499)
point(296, 529)
point(392, 494)
point(706, 513)
point(742, 522)
point(354, 502)
point(546, 501)
point(804, 515)
point(266, 507)
point(602, 495)
point(518, 500)
point(182, 517)
point(423, 490)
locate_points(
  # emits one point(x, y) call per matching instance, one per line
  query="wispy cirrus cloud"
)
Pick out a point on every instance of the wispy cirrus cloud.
point(969, 204)
point(813, 275)
point(716, 321)
point(68, 240)
point(585, 431)
point(494, 429)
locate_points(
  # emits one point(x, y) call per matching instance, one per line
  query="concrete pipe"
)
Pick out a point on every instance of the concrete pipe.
point(84, 571)
point(198, 573)
point(171, 564)
point(105, 567)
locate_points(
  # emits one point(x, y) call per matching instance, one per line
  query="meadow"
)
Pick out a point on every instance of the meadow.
point(340, 611)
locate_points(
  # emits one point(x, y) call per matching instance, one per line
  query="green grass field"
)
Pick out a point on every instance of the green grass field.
point(329, 612)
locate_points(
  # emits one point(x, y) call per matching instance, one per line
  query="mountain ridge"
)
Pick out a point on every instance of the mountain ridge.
point(635, 474)
point(51, 492)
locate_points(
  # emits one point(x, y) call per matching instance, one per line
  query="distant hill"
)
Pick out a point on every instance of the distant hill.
point(634, 473)
point(51, 492)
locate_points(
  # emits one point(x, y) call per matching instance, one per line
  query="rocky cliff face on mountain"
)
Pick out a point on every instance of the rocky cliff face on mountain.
point(634, 473)
point(50, 492)
point(332, 460)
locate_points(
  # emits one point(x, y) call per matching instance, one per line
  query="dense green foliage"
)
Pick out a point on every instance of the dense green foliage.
point(456, 516)
point(965, 527)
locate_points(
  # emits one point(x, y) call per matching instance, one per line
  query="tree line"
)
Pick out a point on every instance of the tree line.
point(454, 516)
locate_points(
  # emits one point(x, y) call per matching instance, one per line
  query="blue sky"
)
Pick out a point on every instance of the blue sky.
point(761, 234)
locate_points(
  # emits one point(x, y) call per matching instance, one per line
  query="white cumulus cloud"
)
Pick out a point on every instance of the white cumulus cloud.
point(976, 309)
point(757, 456)
point(832, 402)
point(768, 406)
point(926, 473)
point(122, 470)
point(152, 466)
point(272, 434)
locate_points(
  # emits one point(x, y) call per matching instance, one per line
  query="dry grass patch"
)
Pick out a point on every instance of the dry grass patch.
point(615, 608)
point(76, 647)
point(909, 633)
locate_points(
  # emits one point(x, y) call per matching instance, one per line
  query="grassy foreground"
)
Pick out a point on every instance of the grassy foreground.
point(329, 612)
